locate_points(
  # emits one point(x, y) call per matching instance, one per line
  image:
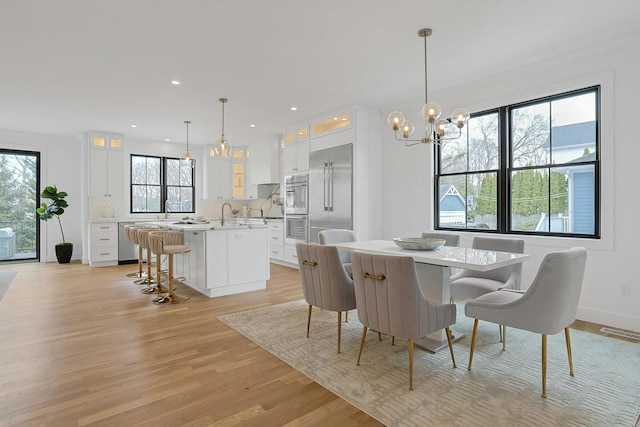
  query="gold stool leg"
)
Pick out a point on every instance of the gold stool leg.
point(156, 287)
point(453, 358)
point(141, 273)
point(170, 297)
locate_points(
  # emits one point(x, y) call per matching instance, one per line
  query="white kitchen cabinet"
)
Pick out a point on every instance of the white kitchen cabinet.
point(218, 178)
point(290, 256)
point(276, 239)
point(296, 156)
point(225, 262)
point(263, 163)
point(248, 256)
point(103, 244)
point(106, 173)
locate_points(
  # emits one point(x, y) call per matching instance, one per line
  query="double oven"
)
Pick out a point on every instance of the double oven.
point(296, 209)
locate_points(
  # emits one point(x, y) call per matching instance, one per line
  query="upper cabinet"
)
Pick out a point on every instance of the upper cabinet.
point(218, 178)
point(263, 163)
point(106, 165)
point(331, 124)
point(296, 150)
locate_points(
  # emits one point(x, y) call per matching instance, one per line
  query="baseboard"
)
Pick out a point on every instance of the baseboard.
point(605, 318)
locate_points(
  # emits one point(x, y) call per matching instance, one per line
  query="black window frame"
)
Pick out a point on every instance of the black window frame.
point(505, 169)
point(164, 187)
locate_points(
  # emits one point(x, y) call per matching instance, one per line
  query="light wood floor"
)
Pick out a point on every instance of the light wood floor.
point(82, 346)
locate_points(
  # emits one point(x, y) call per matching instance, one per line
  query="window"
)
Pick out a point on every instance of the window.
point(155, 180)
point(529, 168)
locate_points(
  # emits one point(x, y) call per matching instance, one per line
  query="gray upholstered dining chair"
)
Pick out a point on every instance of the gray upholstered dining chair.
point(547, 307)
point(333, 236)
point(450, 239)
point(389, 300)
point(325, 283)
point(470, 284)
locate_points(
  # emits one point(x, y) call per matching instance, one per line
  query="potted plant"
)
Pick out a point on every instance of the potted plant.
point(55, 209)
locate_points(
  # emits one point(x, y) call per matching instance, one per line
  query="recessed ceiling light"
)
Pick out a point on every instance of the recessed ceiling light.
point(134, 126)
point(294, 108)
point(175, 82)
point(252, 126)
point(335, 118)
point(167, 139)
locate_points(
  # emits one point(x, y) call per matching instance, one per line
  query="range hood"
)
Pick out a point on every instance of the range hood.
point(267, 190)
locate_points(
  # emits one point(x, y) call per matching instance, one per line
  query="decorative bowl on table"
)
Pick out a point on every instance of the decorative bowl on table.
point(418, 243)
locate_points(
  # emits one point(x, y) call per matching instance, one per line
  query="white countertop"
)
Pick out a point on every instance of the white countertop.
point(211, 226)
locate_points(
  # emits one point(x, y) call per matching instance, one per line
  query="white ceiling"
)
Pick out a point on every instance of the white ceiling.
point(68, 66)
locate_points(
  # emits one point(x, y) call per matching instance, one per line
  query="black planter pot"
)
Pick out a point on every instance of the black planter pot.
point(63, 252)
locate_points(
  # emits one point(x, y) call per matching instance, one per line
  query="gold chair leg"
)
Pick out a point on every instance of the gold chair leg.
point(309, 320)
point(473, 343)
point(364, 334)
point(339, 329)
point(568, 340)
point(544, 365)
point(503, 333)
point(453, 358)
point(346, 316)
point(379, 336)
point(410, 346)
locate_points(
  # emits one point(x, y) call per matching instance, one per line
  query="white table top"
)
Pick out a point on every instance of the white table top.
point(447, 256)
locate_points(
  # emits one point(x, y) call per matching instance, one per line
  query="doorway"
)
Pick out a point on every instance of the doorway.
point(19, 198)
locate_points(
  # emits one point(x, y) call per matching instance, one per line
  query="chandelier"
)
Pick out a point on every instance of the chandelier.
point(437, 129)
point(187, 154)
point(222, 148)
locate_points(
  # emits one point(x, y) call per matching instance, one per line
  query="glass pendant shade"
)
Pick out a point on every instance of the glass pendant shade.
point(431, 112)
point(407, 129)
point(395, 120)
point(459, 117)
point(222, 148)
point(440, 127)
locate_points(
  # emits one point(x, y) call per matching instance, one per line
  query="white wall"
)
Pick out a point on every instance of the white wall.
point(408, 178)
point(61, 165)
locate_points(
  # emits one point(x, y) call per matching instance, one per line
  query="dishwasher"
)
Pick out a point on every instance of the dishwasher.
point(127, 251)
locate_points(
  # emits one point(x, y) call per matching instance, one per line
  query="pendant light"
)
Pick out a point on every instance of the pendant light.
point(222, 148)
point(436, 128)
point(187, 155)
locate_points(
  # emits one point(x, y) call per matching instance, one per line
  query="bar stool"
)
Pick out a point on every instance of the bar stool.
point(154, 283)
point(128, 235)
point(140, 235)
point(172, 244)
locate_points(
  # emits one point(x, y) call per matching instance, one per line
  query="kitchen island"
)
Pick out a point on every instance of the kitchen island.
point(224, 260)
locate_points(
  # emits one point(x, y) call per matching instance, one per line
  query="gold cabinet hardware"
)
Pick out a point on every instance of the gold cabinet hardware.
point(311, 263)
point(369, 276)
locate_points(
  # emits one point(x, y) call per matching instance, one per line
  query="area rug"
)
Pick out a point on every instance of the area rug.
point(5, 280)
point(503, 389)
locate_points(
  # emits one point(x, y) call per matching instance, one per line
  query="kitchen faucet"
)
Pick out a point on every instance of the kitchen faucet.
point(166, 209)
point(222, 212)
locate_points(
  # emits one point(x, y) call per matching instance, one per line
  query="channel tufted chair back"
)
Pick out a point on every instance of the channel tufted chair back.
point(389, 300)
point(325, 283)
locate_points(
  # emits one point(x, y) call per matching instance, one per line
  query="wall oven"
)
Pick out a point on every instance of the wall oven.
point(296, 194)
point(296, 229)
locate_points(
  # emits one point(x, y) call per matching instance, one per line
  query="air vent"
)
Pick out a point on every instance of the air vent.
point(617, 332)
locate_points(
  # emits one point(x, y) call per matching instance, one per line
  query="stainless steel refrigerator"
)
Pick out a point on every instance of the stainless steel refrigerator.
point(330, 189)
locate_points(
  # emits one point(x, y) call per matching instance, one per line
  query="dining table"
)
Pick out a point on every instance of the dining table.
point(433, 268)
